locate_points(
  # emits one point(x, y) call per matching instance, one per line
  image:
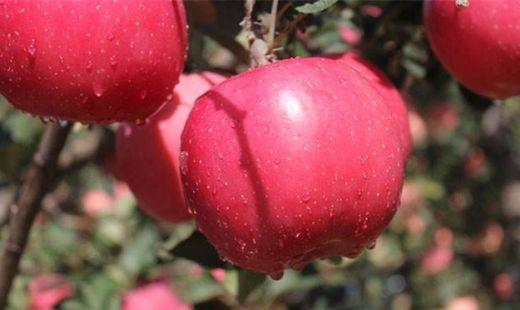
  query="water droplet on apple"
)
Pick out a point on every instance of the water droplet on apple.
point(306, 197)
point(371, 245)
point(244, 199)
point(63, 123)
point(298, 266)
point(45, 119)
point(89, 66)
point(140, 122)
point(31, 50)
point(113, 62)
point(143, 94)
point(276, 275)
point(111, 37)
point(98, 89)
point(183, 162)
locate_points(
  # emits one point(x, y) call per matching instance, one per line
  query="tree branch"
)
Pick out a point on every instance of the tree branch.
point(37, 183)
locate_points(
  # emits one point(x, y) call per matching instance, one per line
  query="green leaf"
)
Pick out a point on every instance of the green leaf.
point(197, 248)
point(316, 7)
point(181, 232)
point(247, 282)
point(139, 254)
point(101, 292)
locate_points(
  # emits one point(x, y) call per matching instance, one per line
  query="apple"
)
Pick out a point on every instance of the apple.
point(147, 156)
point(290, 162)
point(387, 90)
point(154, 295)
point(477, 42)
point(91, 61)
point(47, 291)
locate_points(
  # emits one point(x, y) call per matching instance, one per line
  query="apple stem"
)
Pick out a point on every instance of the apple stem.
point(38, 181)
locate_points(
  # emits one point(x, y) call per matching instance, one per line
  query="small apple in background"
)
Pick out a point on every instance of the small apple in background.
point(156, 295)
point(468, 302)
point(477, 43)
point(91, 61)
point(290, 162)
point(47, 291)
point(440, 256)
point(147, 157)
point(386, 89)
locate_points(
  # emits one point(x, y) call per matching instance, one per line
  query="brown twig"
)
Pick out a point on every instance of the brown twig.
point(272, 24)
point(37, 183)
point(260, 51)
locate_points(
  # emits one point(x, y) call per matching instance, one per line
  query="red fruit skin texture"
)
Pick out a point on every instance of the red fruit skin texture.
point(290, 162)
point(91, 61)
point(147, 157)
point(387, 90)
point(479, 44)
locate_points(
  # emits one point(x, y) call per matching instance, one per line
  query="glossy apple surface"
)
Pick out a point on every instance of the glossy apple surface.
point(91, 61)
point(478, 44)
point(290, 162)
point(147, 157)
point(387, 90)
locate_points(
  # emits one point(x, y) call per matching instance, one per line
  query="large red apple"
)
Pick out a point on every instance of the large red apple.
point(147, 157)
point(290, 162)
point(91, 61)
point(387, 90)
point(478, 41)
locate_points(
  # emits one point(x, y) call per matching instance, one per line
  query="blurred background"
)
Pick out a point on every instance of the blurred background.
point(454, 243)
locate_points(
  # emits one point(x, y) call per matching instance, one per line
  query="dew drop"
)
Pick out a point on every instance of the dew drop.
point(371, 245)
point(276, 275)
point(98, 89)
point(140, 122)
point(244, 199)
point(89, 66)
point(306, 197)
point(45, 119)
point(143, 94)
point(298, 266)
point(113, 62)
point(110, 37)
point(183, 162)
point(63, 123)
point(31, 49)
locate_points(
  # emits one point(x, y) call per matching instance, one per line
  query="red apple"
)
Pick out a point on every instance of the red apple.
point(156, 295)
point(91, 61)
point(48, 291)
point(147, 157)
point(290, 162)
point(477, 43)
point(387, 90)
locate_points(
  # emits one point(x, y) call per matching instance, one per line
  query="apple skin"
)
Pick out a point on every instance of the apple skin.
point(91, 61)
point(147, 157)
point(387, 90)
point(290, 162)
point(478, 44)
